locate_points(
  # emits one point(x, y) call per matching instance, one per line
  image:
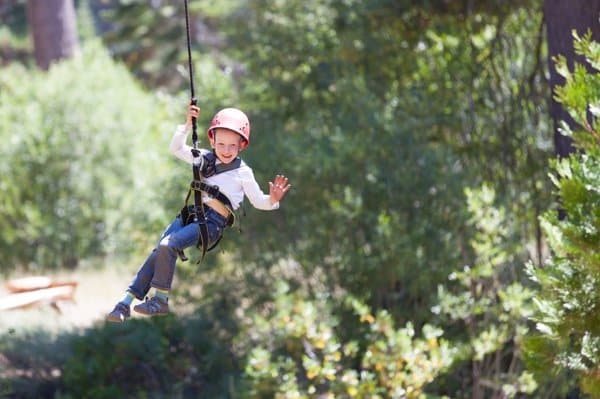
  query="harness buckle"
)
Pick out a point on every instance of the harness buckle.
point(211, 191)
point(196, 185)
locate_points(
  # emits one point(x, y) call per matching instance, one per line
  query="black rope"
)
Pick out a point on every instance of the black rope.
point(199, 215)
point(191, 70)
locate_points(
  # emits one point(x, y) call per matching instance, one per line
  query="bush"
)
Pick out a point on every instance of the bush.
point(156, 358)
point(30, 363)
point(82, 149)
point(298, 353)
point(168, 357)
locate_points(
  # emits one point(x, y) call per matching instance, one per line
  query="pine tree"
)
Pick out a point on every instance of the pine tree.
point(568, 304)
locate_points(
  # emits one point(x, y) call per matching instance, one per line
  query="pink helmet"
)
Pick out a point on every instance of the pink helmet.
point(232, 119)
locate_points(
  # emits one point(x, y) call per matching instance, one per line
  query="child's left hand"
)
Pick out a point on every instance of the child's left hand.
point(278, 188)
point(193, 112)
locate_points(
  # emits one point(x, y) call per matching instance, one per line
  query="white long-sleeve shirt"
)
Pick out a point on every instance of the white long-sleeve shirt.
point(234, 183)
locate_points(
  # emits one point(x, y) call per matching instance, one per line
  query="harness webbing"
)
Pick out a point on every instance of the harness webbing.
point(211, 167)
point(206, 169)
point(197, 212)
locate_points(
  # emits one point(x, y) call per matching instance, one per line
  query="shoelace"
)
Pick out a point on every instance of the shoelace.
point(122, 308)
point(154, 304)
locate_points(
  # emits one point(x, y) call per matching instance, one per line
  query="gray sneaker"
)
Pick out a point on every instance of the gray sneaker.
point(153, 307)
point(119, 314)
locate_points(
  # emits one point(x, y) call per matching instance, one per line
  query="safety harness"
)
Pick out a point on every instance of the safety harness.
point(205, 166)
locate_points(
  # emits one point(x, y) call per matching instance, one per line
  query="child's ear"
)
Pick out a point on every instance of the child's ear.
point(211, 138)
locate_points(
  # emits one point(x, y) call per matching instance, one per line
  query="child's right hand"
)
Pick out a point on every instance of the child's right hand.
point(193, 112)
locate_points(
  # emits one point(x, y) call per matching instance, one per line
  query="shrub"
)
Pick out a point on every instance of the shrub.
point(155, 358)
point(82, 150)
point(298, 353)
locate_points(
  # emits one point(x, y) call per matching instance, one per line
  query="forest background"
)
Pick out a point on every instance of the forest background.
point(440, 241)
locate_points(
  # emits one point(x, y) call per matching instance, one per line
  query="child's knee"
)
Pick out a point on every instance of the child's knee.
point(167, 245)
point(169, 241)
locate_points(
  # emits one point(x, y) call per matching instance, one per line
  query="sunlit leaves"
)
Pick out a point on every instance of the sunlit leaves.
point(299, 354)
point(487, 306)
point(581, 92)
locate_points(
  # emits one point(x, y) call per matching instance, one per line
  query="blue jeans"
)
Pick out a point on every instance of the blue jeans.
point(159, 268)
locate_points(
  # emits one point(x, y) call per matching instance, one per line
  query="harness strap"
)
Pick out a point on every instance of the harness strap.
point(210, 167)
point(212, 191)
point(224, 167)
point(199, 206)
point(206, 167)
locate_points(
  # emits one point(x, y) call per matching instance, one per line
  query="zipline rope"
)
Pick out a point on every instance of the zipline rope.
point(190, 68)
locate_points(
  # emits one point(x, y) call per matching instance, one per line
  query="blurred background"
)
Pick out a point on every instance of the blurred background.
point(440, 239)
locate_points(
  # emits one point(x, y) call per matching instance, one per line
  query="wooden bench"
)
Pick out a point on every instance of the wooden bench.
point(35, 291)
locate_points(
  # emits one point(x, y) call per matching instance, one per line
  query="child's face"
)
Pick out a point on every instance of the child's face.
point(227, 144)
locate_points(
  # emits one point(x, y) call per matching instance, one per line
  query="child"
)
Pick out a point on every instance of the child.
point(228, 134)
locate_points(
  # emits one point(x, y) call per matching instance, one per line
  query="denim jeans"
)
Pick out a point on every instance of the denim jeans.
point(159, 268)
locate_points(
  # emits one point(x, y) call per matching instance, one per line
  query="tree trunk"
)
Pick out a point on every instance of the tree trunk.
point(562, 17)
point(53, 24)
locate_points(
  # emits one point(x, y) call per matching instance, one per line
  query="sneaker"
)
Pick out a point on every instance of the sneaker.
point(152, 307)
point(119, 314)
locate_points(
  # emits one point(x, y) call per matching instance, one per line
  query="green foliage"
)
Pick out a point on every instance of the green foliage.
point(567, 308)
point(14, 41)
point(392, 108)
point(81, 145)
point(82, 149)
point(487, 306)
point(581, 94)
point(373, 200)
point(380, 113)
point(150, 38)
point(298, 353)
point(485, 81)
point(157, 358)
point(31, 361)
